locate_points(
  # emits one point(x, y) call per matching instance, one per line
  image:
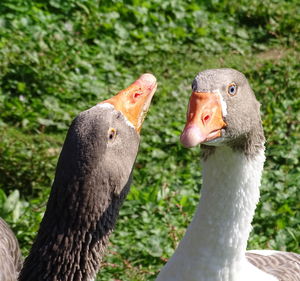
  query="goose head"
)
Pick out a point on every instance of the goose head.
point(105, 138)
point(93, 176)
point(223, 110)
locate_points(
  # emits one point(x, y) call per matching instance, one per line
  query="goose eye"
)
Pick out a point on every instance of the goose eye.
point(232, 89)
point(111, 134)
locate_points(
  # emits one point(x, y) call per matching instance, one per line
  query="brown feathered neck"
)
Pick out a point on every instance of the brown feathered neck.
point(90, 185)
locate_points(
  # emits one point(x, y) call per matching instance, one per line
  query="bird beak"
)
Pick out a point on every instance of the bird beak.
point(204, 119)
point(135, 100)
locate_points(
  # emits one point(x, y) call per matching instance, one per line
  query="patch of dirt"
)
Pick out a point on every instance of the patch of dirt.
point(273, 54)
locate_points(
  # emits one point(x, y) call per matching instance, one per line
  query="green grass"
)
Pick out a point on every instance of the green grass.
point(62, 57)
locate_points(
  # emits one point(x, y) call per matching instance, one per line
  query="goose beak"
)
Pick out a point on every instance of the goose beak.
point(204, 119)
point(135, 100)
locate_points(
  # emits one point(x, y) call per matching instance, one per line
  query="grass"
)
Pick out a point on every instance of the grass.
point(62, 57)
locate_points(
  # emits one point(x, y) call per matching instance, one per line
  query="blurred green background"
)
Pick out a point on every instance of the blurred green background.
point(58, 58)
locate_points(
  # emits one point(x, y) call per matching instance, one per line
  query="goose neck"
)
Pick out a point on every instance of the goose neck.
point(213, 248)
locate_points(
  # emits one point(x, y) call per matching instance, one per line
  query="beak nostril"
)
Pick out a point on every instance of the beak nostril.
point(205, 118)
point(136, 95)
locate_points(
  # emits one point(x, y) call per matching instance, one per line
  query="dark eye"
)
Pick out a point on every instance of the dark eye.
point(111, 134)
point(232, 89)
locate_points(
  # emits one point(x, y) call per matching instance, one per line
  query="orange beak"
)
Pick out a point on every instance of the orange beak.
point(204, 119)
point(135, 100)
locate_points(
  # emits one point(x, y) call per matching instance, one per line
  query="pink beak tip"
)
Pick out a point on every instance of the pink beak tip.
point(147, 79)
point(192, 136)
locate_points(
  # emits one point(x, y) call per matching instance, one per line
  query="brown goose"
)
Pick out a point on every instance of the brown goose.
point(223, 116)
point(92, 178)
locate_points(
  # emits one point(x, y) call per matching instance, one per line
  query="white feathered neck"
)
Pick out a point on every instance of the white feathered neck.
point(214, 246)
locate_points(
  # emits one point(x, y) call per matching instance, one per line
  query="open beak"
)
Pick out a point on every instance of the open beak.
point(204, 119)
point(135, 100)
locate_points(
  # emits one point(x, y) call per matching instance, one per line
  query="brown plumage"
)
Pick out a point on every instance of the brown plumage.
point(92, 179)
point(283, 265)
point(10, 254)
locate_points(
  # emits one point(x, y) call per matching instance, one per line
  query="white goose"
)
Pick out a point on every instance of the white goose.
point(224, 116)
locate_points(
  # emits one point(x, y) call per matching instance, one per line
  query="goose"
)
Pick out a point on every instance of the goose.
point(93, 176)
point(224, 117)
